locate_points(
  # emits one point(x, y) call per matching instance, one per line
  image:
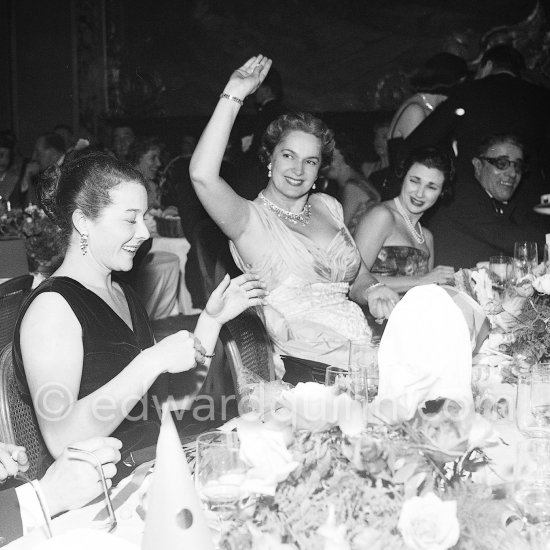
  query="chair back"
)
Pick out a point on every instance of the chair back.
point(248, 350)
point(12, 294)
point(213, 255)
point(14, 257)
point(18, 424)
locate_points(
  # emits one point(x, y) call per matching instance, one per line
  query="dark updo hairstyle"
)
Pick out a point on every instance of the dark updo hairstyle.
point(83, 182)
point(349, 150)
point(301, 122)
point(141, 146)
point(431, 157)
point(441, 72)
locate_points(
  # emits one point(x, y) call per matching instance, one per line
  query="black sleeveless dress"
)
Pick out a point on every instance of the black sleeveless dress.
point(109, 346)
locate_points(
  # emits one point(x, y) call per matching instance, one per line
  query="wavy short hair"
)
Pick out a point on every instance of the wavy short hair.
point(431, 157)
point(302, 122)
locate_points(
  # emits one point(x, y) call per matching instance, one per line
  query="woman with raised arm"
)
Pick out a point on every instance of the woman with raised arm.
point(295, 241)
point(83, 348)
point(389, 236)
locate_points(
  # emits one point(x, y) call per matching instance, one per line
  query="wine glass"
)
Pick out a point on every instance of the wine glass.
point(525, 258)
point(532, 480)
point(525, 421)
point(540, 397)
point(219, 475)
point(500, 270)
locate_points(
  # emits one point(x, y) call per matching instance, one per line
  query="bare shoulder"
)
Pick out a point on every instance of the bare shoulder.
point(380, 213)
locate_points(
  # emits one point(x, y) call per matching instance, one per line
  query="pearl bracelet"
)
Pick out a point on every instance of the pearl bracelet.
point(232, 98)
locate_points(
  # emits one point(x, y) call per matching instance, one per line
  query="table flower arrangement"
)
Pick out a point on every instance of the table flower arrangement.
point(42, 237)
point(405, 483)
point(519, 317)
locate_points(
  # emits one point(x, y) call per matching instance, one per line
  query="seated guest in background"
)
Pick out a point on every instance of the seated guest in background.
point(66, 132)
point(69, 483)
point(484, 218)
point(356, 193)
point(389, 236)
point(380, 145)
point(295, 241)
point(122, 136)
point(12, 169)
point(86, 337)
point(49, 149)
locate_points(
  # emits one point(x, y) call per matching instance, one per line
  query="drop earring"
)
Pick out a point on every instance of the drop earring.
point(314, 186)
point(84, 243)
point(269, 170)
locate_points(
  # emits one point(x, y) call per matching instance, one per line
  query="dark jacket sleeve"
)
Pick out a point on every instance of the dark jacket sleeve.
point(10, 517)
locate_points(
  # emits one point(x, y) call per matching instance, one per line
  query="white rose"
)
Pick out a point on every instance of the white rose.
point(542, 284)
point(310, 406)
point(429, 523)
point(482, 434)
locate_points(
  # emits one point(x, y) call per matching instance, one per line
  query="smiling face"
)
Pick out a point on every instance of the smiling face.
point(295, 164)
point(149, 164)
point(500, 184)
point(421, 188)
point(119, 230)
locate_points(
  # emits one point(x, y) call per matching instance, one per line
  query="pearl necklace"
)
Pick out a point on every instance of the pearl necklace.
point(418, 235)
point(303, 217)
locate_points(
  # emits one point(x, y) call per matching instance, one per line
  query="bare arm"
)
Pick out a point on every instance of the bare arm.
point(410, 118)
point(227, 209)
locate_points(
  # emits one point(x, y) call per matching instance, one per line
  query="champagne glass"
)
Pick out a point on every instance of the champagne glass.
point(350, 381)
point(540, 397)
point(500, 270)
point(532, 480)
point(525, 258)
point(525, 421)
point(219, 474)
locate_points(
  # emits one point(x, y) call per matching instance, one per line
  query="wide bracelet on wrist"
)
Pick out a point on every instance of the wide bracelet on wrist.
point(371, 287)
point(231, 98)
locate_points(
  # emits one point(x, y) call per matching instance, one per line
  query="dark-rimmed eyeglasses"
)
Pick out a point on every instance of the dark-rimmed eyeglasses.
point(503, 163)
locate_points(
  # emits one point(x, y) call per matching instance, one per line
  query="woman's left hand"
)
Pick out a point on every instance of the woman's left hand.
point(233, 296)
point(381, 301)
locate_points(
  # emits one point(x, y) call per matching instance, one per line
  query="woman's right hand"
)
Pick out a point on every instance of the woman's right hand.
point(440, 275)
point(175, 353)
point(247, 79)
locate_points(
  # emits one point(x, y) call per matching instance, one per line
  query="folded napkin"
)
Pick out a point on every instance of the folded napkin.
point(175, 518)
point(426, 347)
point(85, 539)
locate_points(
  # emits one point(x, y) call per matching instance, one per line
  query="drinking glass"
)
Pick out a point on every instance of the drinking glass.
point(363, 355)
point(219, 474)
point(500, 270)
point(540, 396)
point(532, 480)
point(525, 258)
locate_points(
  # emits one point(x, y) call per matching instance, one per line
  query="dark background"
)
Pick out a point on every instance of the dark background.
point(162, 64)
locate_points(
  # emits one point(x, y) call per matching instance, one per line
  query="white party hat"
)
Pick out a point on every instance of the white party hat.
point(175, 518)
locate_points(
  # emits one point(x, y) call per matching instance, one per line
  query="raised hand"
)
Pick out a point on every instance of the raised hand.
point(233, 296)
point(247, 78)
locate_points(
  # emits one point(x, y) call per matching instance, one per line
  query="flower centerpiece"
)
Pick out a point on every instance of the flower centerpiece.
point(42, 237)
point(519, 316)
point(404, 483)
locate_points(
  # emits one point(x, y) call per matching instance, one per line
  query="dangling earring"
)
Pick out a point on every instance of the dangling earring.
point(84, 243)
point(314, 186)
point(269, 170)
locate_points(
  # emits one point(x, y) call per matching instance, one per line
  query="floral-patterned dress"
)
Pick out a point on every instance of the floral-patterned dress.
point(401, 261)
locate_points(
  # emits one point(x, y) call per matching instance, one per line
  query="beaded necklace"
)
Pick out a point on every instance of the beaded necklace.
point(302, 217)
point(418, 235)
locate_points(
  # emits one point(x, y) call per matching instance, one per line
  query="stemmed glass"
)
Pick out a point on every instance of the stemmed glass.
point(525, 258)
point(363, 355)
point(540, 397)
point(219, 476)
point(532, 481)
point(500, 270)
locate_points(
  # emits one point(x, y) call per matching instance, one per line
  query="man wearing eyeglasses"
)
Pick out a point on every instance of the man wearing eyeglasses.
point(484, 218)
point(69, 483)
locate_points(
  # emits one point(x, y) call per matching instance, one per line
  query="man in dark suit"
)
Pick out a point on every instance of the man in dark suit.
point(485, 217)
point(498, 101)
point(69, 483)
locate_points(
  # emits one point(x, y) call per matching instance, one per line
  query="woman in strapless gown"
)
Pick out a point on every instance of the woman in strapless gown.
point(389, 236)
point(296, 241)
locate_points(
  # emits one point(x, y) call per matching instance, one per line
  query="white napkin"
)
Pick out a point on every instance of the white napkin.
point(263, 448)
point(174, 512)
point(426, 342)
point(86, 539)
